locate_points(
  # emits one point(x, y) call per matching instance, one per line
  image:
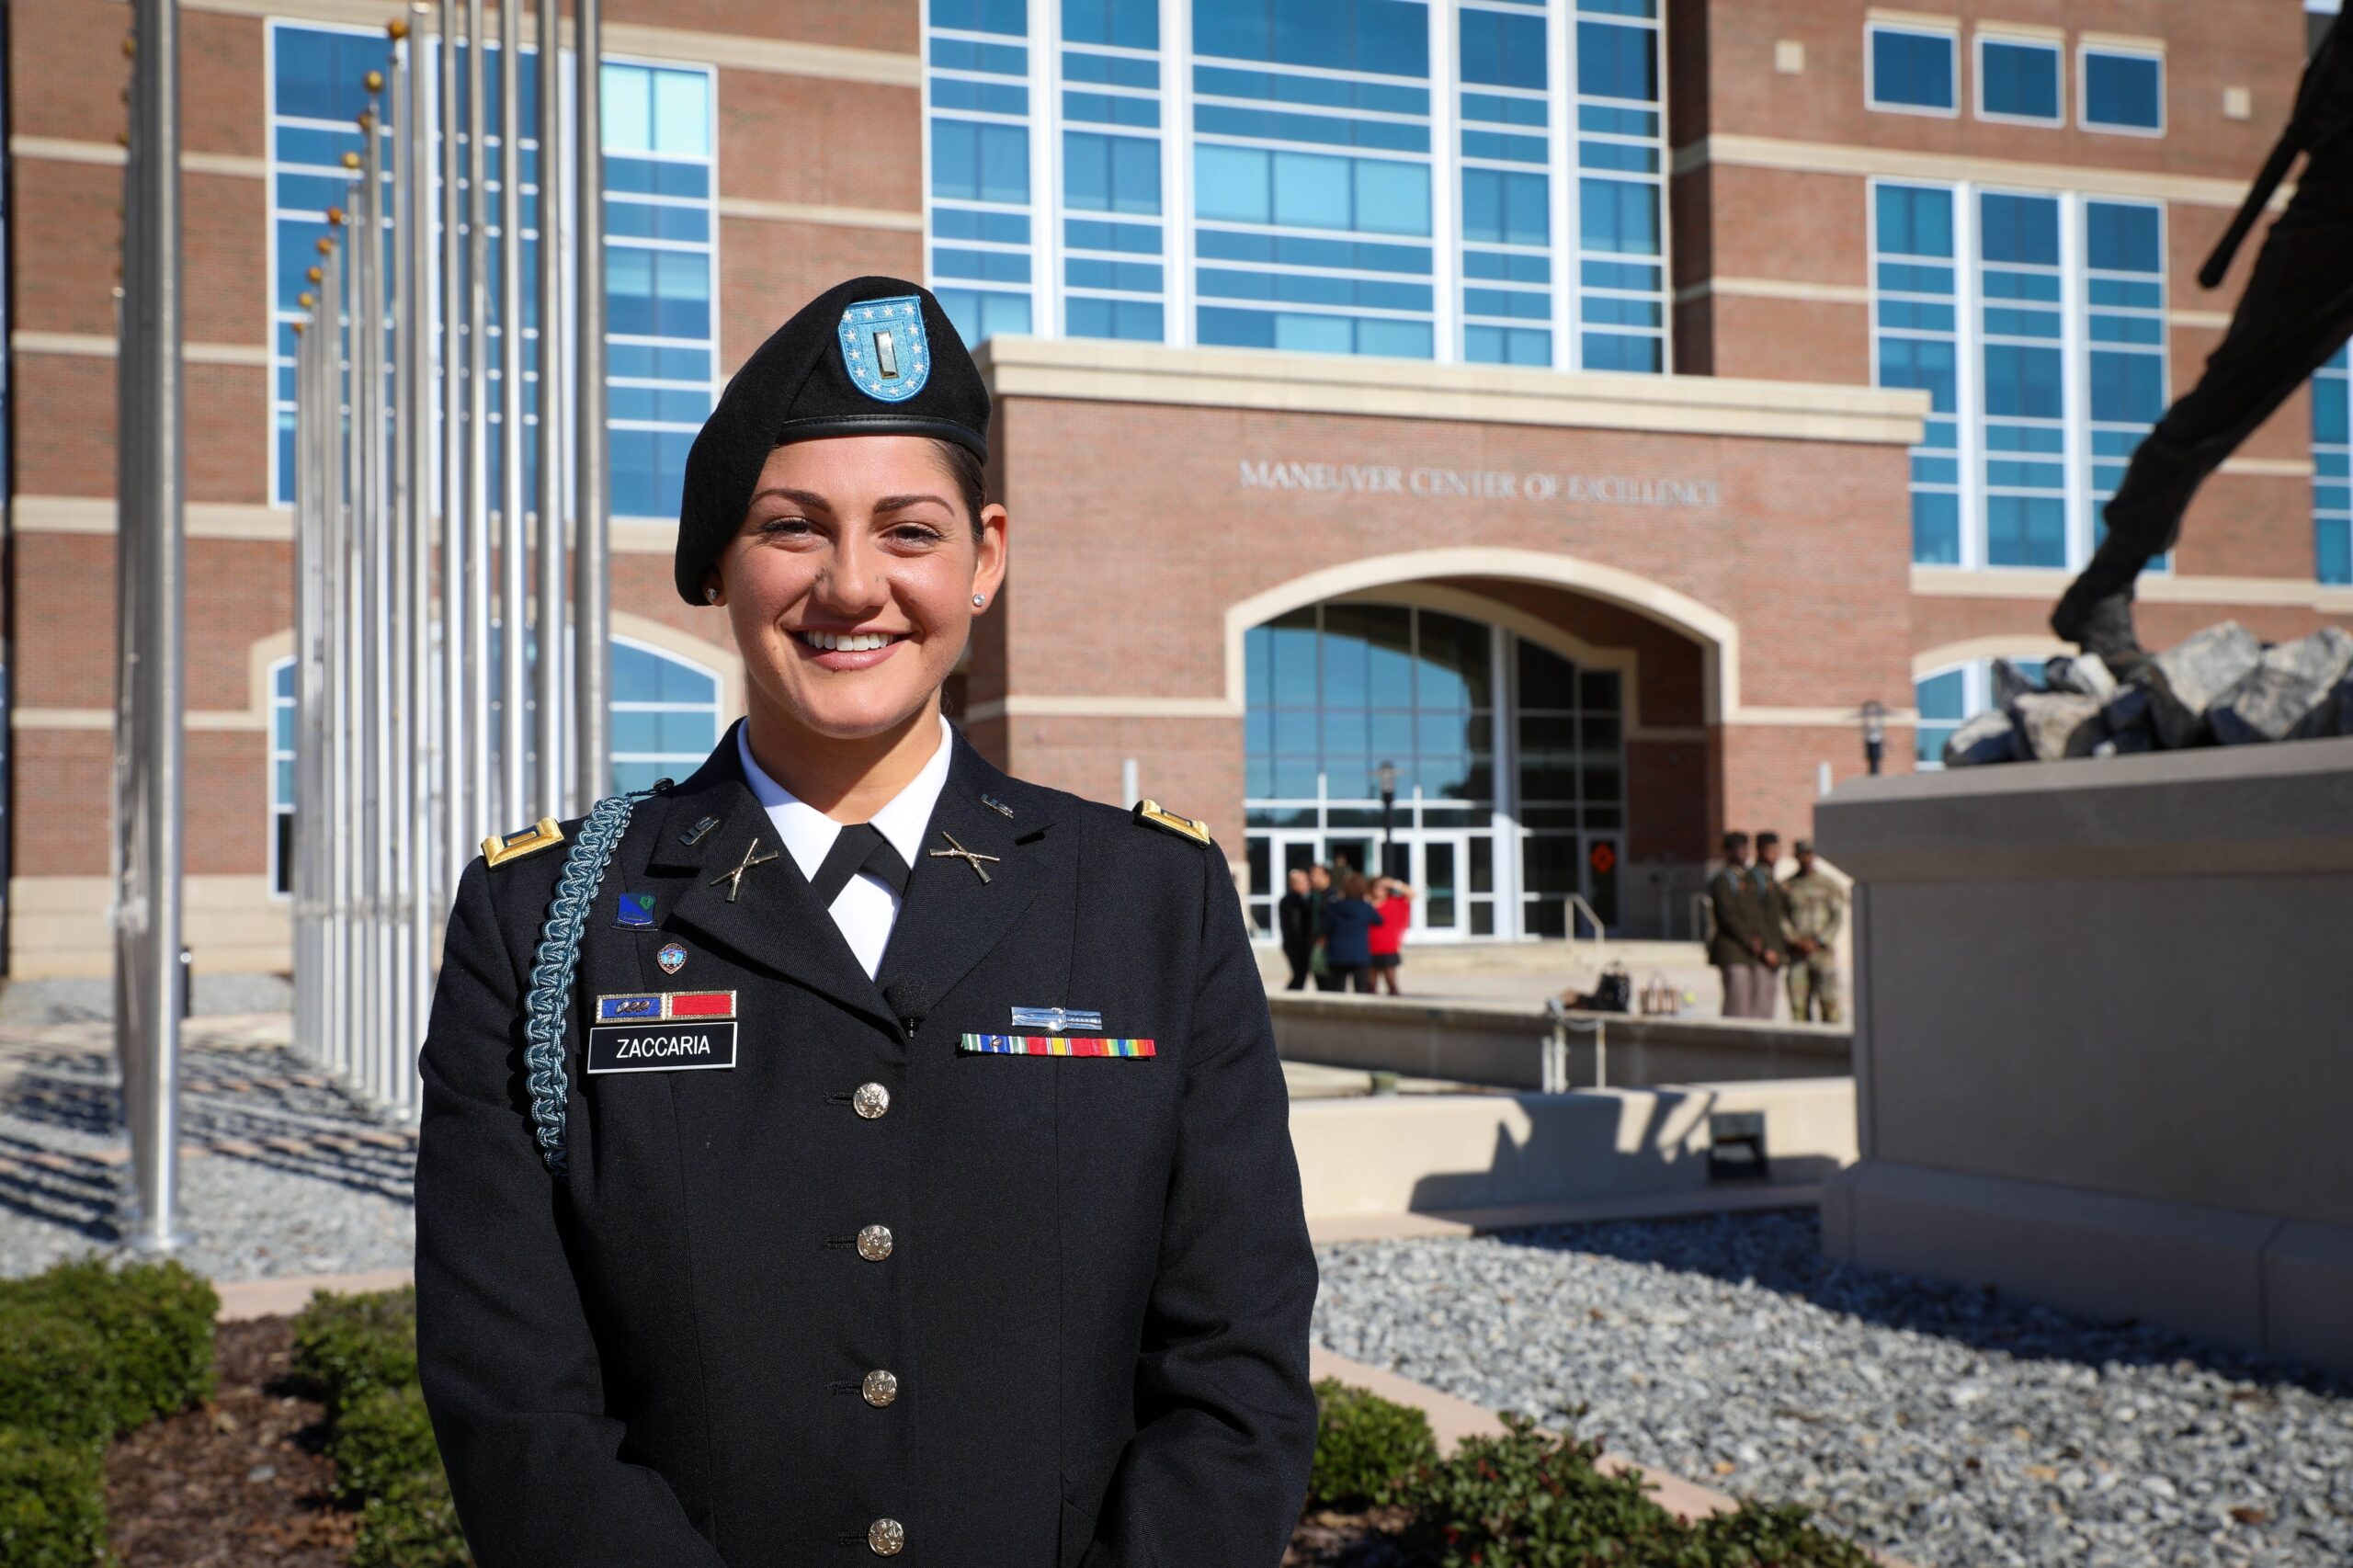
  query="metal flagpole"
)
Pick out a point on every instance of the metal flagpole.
point(420, 860)
point(343, 619)
point(374, 582)
point(592, 662)
point(150, 529)
point(404, 894)
point(458, 806)
point(513, 671)
point(550, 685)
point(489, 811)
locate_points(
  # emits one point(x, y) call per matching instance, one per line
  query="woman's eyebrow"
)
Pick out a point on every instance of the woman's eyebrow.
point(809, 498)
point(901, 503)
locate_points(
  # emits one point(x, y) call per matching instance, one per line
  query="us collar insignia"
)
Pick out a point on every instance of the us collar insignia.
point(1056, 1019)
point(672, 956)
point(695, 834)
point(636, 912)
point(884, 349)
point(661, 1006)
point(999, 807)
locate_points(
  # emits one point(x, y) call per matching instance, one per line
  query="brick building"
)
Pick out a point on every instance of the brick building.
point(1579, 405)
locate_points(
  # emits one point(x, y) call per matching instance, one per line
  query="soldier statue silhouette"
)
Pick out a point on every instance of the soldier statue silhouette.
point(2296, 311)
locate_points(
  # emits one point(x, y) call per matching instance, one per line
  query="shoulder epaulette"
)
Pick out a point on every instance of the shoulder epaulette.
point(1148, 813)
point(501, 847)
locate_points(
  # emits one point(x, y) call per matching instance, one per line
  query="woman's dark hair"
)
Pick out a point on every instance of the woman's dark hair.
point(1352, 886)
point(963, 466)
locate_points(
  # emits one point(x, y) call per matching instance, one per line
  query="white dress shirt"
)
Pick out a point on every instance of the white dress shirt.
point(866, 908)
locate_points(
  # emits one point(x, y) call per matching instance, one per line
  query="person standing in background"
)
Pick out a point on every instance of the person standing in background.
point(1737, 949)
point(1766, 872)
point(1349, 921)
point(1295, 918)
point(1319, 898)
point(1813, 909)
point(1395, 901)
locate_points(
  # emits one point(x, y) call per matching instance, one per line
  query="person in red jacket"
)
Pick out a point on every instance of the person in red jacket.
point(1394, 901)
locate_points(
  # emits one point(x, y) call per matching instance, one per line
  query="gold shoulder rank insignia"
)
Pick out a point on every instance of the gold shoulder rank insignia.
point(501, 847)
point(1150, 815)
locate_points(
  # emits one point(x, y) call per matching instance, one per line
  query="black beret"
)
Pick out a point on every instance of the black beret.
point(872, 357)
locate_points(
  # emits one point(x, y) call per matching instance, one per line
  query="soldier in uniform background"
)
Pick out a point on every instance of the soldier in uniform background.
point(852, 1151)
point(1737, 946)
point(1812, 908)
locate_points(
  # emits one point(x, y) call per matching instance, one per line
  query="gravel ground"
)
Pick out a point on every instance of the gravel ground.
point(318, 1202)
point(1954, 1428)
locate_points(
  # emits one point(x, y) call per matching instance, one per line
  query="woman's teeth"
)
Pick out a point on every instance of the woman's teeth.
point(846, 641)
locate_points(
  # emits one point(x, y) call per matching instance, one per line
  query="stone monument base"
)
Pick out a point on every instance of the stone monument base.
point(2104, 1037)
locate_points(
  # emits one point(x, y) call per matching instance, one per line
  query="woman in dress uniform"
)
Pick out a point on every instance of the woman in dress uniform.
point(853, 1151)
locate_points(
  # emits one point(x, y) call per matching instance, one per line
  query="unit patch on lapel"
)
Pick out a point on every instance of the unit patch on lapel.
point(661, 1032)
point(1051, 1045)
point(635, 912)
point(884, 349)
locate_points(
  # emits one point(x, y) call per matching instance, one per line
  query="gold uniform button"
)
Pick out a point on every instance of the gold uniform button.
point(886, 1538)
point(870, 1101)
point(881, 1388)
point(874, 1242)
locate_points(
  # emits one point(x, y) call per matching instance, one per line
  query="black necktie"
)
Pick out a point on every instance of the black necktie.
point(860, 847)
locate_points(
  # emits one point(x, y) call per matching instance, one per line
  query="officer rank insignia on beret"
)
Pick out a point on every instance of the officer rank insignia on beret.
point(501, 847)
point(884, 348)
point(1148, 813)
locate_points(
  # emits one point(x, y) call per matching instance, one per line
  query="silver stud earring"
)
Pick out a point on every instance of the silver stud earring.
point(978, 600)
point(710, 596)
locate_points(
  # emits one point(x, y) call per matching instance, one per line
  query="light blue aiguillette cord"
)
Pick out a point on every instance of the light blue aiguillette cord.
point(556, 960)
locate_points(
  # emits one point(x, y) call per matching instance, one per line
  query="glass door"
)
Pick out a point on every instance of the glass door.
point(1273, 857)
point(1439, 862)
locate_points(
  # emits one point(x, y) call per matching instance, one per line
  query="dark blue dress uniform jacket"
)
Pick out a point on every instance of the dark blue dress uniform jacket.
point(1097, 1296)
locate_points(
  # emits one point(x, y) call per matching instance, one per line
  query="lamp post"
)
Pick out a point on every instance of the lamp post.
point(1386, 777)
point(1874, 733)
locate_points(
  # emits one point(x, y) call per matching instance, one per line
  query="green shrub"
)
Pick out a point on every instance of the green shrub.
point(1755, 1535)
point(54, 1379)
point(53, 1502)
point(156, 1322)
point(384, 1448)
point(1530, 1498)
point(348, 1345)
point(417, 1531)
point(1363, 1443)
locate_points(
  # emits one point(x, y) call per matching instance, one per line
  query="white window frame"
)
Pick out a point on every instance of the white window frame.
point(2083, 52)
point(1871, 100)
point(1976, 693)
point(2057, 118)
point(670, 656)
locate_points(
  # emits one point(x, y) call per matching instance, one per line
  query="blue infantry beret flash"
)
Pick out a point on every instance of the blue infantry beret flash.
point(872, 357)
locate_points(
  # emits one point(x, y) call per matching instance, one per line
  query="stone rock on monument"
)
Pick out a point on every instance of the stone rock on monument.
point(1990, 736)
point(2185, 681)
point(2086, 673)
point(2011, 682)
point(2054, 724)
point(2290, 684)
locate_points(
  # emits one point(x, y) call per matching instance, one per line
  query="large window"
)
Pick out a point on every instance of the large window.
point(1357, 176)
point(661, 222)
point(2017, 79)
point(1911, 70)
point(2036, 322)
point(282, 776)
point(1495, 824)
point(2123, 89)
point(1948, 697)
point(666, 715)
point(661, 231)
point(2333, 471)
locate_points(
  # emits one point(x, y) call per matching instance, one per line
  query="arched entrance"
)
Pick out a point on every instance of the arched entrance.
point(1503, 756)
point(1549, 720)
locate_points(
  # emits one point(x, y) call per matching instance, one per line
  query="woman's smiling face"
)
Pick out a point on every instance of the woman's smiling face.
point(850, 584)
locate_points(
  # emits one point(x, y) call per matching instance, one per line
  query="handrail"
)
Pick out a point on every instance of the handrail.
point(1574, 906)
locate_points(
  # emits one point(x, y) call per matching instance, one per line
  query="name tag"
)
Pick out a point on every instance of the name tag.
point(661, 1047)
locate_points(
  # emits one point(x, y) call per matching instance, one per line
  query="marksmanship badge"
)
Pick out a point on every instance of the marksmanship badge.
point(884, 348)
